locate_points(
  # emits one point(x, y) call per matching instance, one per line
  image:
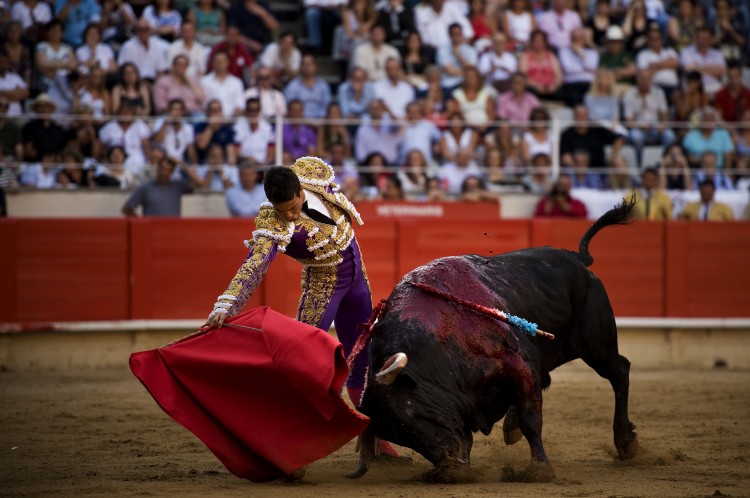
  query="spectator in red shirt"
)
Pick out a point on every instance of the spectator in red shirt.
point(734, 98)
point(240, 58)
point(559, 203)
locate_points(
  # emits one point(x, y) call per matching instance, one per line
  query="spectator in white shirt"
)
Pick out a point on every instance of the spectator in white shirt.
point(222, 86)
point(498, 65)
point(133, 135)
point(559, 22)
point(454, 173)
point(393, 90)
point(372, 55)
point(272, 101)
point(31, 14)
point(454, 56)
point(95, 53)
point(707, 61)
point(253, 135)
point(645, 107)
point(579, 64)
point(12, 85)
point(433, 17)
point(188, 45)
point(661, 62)
point(282, 57)
point(147, 52)
point(174, 134)
point(42, 175)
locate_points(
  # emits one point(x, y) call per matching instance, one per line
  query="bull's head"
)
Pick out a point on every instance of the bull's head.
point(416, 410)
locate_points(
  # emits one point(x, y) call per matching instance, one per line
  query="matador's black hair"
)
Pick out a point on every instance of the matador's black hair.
point(281, 184)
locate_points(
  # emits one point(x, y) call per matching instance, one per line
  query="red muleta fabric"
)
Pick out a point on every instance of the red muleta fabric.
point(265, 403)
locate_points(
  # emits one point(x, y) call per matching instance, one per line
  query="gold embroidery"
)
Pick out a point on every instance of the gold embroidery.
point(249, 275)
point(316, 296)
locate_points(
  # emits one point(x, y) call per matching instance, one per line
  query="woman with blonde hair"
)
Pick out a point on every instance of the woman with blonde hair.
point(601, 101)
point(477, 100)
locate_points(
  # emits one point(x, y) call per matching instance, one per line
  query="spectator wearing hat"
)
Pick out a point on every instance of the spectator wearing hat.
point(707, 209)
point(579, 64)
point(707, 61)
point(42, 134)
point(617, 58)
point(662, 62)
point(162, 196)
point(558, 23)
point(12, 86)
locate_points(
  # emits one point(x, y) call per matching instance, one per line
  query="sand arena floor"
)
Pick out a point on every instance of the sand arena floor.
point(100, 433)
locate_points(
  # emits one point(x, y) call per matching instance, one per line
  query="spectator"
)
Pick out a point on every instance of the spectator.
point(689, 100)
point(581, 174)
point(94, 53)
point(433, 18)
point(435, 96)
point(674, 169)
point(598, 24)
point(474, 189)
point(392, 189)
point(12, 86)
point(419, 134)
point(55, 60)
point(398, 22)
point(162, 196)
point(131, 90)
point(498, 65)
point(72, 173)
point(435, 190)
point(558, 23)
point(163, 19)
point(373, 175)
point(730, 31)
point(341, 160)
point(19, 55)
point(592, 139)
point(483, 23)
point(559, 203)
point(617, 59)
point(682, 27)
point(497, 178)
point(272, 101)
point(708, 61)
point(578, 65)
point(542, 67)
point(33, 16)
point(215, 130)
point(309, 88)
point(378, 133)
point(174, 135)
point(635, 27)
point(458, 169)
point(393, 90)
point(114, 174)
point(148, 53)
point(219, 84)
point(734, 99)
point(76, 15)
point(42, 134)
point(118, 22)
point(133, 135)
point(282, 57)
point(197, 54)
point(42, 174)
point(240, 59)
point(357, 19)
point(216, 175)
point(82, 133)
point(178, 84)
point(457, 136)
point(645, 108)
point(537, 140)
point(416, 58)
point(321, 18)
point(331, 132)
point(209, 22)
point(662, 62)
point(652, 203)
point(539, 181)
point(518, 22)
point(11, 140)
point(707, 209)
point(516, 104)
point(256, 23)
point(373, 55)
point(94, 95)
point(300, 139)
point(600, 101)
point(454, 56)
point(476, 100)
point(709, 137)
point(709, 169)
point(244, 199)
point(355, 94)
point(254, 136)
point(742, 146)
point(413, 175)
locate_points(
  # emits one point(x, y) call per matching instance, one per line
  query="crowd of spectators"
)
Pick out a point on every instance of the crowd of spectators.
point(437, 99)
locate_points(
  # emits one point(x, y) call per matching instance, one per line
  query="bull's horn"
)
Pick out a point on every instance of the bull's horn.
point(391, 368)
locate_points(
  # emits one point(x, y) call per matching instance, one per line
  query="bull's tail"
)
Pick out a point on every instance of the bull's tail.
point(618, 215)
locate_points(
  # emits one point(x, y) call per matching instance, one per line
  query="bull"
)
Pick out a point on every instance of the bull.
point(440, 371)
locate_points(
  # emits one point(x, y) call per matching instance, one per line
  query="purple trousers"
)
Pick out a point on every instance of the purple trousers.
point(339, 293)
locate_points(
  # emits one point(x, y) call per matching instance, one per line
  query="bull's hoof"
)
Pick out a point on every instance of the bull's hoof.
point(459, 474)
point(627, 448)
point(535, 472)
point(511, 431)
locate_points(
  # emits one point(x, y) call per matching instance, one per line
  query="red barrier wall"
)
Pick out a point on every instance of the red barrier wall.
point(175, 268)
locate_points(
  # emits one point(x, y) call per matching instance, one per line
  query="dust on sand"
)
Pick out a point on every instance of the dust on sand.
point(100, 433)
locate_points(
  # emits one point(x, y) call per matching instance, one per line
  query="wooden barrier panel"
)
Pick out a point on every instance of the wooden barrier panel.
point(57, 270)
point(708, 269)
point(179, 267)
point(399, 210)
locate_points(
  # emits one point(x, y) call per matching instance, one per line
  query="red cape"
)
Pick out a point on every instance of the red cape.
point(265, 402)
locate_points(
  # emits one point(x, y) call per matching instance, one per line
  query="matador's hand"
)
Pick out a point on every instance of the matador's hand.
point(216, 319)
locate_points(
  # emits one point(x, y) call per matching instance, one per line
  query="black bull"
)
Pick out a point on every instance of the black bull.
point(440, 371)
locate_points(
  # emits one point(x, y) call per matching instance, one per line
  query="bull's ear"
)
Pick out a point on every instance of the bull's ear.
point(391, 368)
